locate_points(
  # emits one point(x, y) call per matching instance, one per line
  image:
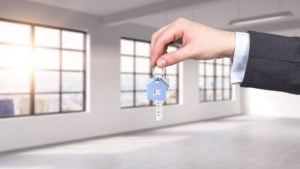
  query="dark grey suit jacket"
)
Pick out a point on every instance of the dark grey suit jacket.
point(274, 63)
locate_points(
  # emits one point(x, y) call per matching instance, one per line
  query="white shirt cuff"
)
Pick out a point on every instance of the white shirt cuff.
point(240, 57)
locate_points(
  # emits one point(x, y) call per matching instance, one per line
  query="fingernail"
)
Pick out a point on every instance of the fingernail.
point(162, 62)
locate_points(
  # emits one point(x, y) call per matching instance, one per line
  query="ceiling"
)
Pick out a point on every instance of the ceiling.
point(98, 7)
point(156, 13)
point(118, 11)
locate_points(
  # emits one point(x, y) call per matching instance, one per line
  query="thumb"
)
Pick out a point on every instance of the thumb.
point(172, 58)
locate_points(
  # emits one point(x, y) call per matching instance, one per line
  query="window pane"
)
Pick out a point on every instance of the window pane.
point(15, 33)
point(47, 103)
point(227, 95)
point(219, 82)
point(209, 70)
point(46, 81)
point(72, 82)
point(47, 37)
point(15, 57)
point(142, 65)
point(226, 71)
point(201, 82)
point(14, 105)
point(227, 83)
point(209, 83)
point(209, 95)
point(172, 82)
point(227, 61)
point(172, 69)
point(127, 47)
point(46, 58)
point(13, 81)
point(219, 70)
point(201, 69)
point(219, 95)
point(127, 99)
point(142, 49)
point(171, 97)
point(126, 64)
point(72, 102)
point(142, 81)
point(219, 61)
point(72, 60)
point(141, 99)
point(72, 40)
point(126, 82)
point(212, 61)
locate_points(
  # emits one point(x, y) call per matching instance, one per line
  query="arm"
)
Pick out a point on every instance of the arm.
point(273, 63)
point(200, 42)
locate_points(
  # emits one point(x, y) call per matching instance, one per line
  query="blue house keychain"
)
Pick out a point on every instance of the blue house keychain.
point(157, 92)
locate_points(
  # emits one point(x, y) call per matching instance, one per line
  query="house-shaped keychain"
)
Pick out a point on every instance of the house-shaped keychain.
point(157, 89)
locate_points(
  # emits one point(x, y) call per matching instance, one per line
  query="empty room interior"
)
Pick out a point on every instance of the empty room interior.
point(82, 86)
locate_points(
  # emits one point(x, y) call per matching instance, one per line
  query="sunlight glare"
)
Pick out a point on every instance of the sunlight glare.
point(46, 58)
point(15, 57)
point(14, 33)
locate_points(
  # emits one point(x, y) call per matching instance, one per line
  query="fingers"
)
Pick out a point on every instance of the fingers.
point(171, 58)
point(163, 38)
point(155, 36)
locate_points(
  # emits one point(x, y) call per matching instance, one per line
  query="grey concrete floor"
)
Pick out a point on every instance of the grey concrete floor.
point(231, 143)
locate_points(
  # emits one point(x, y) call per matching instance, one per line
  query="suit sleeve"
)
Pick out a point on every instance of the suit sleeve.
point(273, 63)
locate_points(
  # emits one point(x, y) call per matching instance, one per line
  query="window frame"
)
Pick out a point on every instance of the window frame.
point(214, 76)
point(32, 90)
point(134, 73)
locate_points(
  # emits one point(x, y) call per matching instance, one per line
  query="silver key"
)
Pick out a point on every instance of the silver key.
point(159, 112)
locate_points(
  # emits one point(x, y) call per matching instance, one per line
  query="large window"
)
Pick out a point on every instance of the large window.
point(42, 69)
point(214, 80)
point(136, 73)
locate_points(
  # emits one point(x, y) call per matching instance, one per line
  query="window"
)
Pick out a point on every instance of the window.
point(136, 74)
point(42, 69)
point(214, 80)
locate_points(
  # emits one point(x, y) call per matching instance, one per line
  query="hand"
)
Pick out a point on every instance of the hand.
point(198, 41)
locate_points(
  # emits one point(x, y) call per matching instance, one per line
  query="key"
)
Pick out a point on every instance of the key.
point(157, 92)
point(159, 112)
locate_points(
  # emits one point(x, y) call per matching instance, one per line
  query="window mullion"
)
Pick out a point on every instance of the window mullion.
point(32, 73)
point(177, 82)
point(84, 73)
point(134, 74)
point(215, 80)
point(60, 70)
point(205, 81)
point(223, 81)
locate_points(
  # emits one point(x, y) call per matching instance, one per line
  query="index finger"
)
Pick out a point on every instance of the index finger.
point(154, 37)
point(167, 36)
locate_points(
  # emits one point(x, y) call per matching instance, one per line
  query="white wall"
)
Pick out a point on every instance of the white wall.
point(104, 115)
point(270, 103)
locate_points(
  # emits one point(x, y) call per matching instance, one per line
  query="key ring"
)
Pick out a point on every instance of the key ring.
point(164, 71)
